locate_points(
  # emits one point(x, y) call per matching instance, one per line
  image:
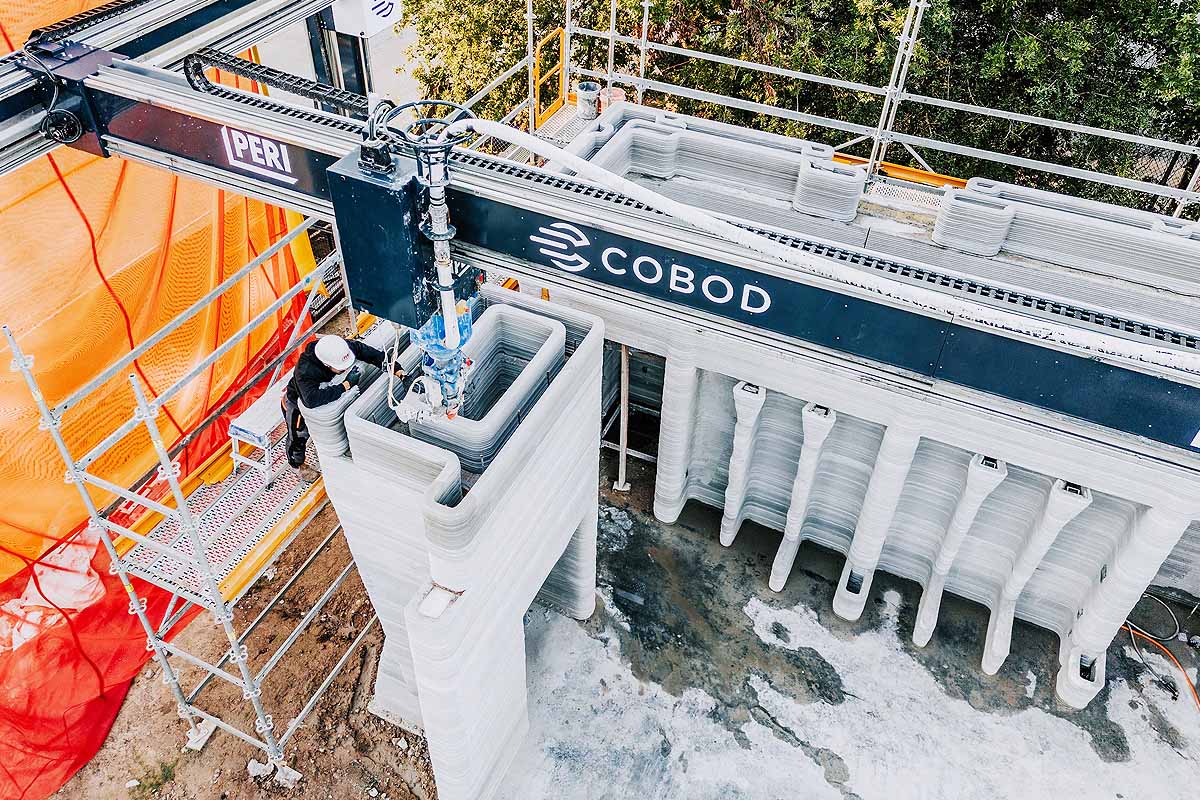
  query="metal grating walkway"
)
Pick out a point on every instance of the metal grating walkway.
point(232, 522)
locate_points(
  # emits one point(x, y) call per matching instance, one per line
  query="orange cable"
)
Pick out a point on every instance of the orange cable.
point(1170, 655)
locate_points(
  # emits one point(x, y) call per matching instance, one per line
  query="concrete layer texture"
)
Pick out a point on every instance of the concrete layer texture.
point(887, 495)
point(1033, 523)
point(631, 140)
point(451, 562)
point(1061, 527)
point(1085, 234)
point(1034, 519)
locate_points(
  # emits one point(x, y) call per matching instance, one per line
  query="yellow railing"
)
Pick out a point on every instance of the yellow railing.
point(540, 115)
point(911, 174)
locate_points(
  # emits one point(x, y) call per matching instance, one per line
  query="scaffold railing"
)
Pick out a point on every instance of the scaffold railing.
point(1180, 184)
point(206, 547)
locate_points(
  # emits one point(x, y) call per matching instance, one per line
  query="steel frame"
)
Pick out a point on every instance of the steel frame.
point(189, 547)
point(20, 139)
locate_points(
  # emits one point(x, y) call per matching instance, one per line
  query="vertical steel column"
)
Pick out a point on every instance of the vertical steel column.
point(1192, 185)
point(568, 29)
point(900, 65)
point(612, 40)
point(24, 364)
point(312, 292)
point(337, 240)
point(622, 485)
point(364, 65)
point(187, 523)
point(530, 57)
point(318, 45)
point(643, 48)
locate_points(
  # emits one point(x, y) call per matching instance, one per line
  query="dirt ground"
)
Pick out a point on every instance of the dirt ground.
point(342, 750)
point(672, 598)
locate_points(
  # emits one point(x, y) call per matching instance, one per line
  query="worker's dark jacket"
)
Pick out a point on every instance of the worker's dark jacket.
point(310, 373)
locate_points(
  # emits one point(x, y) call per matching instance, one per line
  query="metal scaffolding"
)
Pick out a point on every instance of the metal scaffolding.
point(200, 550)
point(879, 135)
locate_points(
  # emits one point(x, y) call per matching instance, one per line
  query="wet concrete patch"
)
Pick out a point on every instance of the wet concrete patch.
point(682, 596)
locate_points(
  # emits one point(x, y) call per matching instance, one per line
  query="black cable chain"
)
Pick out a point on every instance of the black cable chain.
point(67, 28)
point(195, 64)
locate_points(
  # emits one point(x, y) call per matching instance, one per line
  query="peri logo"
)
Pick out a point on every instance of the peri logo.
point(257, 154)
point(383, 8)
point(560, 241)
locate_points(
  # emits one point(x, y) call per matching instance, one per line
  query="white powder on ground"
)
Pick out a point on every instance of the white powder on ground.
point(901, 737)
point(599, 732)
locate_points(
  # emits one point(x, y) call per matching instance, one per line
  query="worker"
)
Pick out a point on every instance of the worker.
point(327, 369)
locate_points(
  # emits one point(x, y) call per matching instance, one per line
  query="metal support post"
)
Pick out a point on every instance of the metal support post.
point(644, 46)
point(1193, 185)
point(612, 40)
point(146, 412)
point(170, 622)
point(195, 308)
point(622, 485)
point(568, 29)
point(345, 281)
point(304, 622)
point(249, 629)
point(325, 684)
point(299, 326)
point(917, 157)
point(891, 100)
point(532, 59)
point(51, 423)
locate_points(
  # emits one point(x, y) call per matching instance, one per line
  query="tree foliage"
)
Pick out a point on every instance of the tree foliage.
point(1126, 65)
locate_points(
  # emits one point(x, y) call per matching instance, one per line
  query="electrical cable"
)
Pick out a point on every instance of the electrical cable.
point(1169, 637)
point(1136, 631)
point(1167, 684)
point(1170, 655)
point(58, 125)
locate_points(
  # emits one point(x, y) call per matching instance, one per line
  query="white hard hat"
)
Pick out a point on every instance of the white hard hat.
point(333, 352)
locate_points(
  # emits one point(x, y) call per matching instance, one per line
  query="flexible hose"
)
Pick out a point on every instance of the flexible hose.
point(1168, 637)
point(1170, 655)
point(915, 296)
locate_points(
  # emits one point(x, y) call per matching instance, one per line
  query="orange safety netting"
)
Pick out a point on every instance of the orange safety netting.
point(98, 254)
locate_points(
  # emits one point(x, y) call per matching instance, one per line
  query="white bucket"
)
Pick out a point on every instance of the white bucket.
point(587, 95)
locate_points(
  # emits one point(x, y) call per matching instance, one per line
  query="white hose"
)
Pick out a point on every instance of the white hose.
point(1100, 344)
point(439, 219)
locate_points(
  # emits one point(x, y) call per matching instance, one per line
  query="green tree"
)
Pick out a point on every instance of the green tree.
point(1127, 65)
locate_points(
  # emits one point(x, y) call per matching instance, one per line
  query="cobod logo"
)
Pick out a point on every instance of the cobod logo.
point(257, 154)
point(564, 245)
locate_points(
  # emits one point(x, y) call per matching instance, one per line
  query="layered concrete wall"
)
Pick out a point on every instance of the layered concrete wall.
point(451, 565)
point(1031, 520)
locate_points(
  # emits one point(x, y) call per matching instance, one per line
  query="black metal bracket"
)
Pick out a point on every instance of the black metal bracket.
point(61, 67)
